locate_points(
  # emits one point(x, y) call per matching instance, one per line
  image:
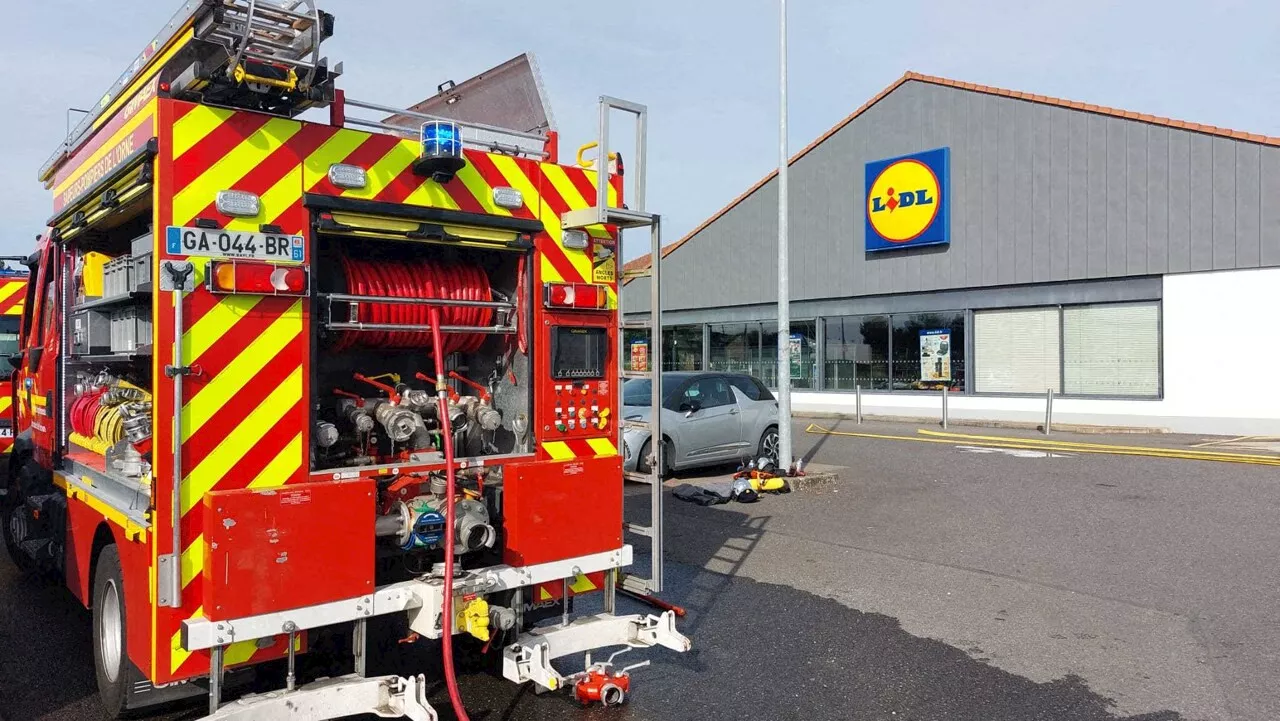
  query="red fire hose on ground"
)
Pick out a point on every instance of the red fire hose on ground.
point(442, 398)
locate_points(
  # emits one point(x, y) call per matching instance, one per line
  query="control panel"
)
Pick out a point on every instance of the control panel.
point(580, 408)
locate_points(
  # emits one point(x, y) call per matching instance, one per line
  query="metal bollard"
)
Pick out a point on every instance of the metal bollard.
point(857, 390)
point(1048, 411)
point(944, 407)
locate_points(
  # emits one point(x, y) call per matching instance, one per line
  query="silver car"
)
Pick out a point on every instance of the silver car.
point(707, 418)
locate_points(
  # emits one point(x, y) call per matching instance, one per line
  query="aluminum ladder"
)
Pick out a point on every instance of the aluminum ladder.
point(623, 218)
point(277, 32)
point(285, 33)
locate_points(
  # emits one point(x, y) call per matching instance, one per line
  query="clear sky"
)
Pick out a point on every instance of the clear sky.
point(707, 69)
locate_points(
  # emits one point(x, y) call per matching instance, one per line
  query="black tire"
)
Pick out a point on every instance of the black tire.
point(768, 444)
point(110, 639)
point(11, 519)
point(642, 463)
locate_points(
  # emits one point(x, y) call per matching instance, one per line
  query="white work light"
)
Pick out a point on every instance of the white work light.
point(238, 203)
point(351, 177)
point(508, 198)
point(574, 239)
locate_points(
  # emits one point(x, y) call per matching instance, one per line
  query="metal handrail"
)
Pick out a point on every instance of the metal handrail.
point(348, 298)
point(495, 145)
point(423, 328)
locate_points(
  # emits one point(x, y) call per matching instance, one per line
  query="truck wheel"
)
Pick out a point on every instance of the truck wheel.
point(14, 527)
point(110, 651)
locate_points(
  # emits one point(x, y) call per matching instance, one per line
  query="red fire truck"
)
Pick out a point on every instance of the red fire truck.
point(280, 375)
point(13, 296)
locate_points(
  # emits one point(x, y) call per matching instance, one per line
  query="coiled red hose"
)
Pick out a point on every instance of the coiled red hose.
point(416, 278)
point(84, 409)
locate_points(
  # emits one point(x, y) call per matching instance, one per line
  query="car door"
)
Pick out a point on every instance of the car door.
point(710, 420)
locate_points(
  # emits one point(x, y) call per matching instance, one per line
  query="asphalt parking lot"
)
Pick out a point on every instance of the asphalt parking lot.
point(935, 580)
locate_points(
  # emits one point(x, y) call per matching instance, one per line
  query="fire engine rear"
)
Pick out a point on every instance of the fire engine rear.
point(280, 375)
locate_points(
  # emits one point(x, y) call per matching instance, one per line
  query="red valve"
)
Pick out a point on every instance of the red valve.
point(391, 392)
point(603, 685)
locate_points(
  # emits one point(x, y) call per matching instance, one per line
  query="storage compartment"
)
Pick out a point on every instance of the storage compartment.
point(374, 374)
point(130, 329)
point(117, 277)
point(140, 263)
point(91, 332)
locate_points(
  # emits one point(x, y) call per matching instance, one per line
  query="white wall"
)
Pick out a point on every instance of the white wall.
point(1221, 336)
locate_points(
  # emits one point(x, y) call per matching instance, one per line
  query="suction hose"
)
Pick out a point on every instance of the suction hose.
point(442, 395)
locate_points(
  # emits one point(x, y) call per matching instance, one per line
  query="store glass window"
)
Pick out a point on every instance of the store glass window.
point(735, 347)
point(857, 353)
point(1016, 351)
point(682, 348)
point(928, 351)
point(635, 349)
point(804, 356)
point(1111, 350)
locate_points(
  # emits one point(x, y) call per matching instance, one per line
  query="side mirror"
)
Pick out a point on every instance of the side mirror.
point(15, 359)
point(690, 407)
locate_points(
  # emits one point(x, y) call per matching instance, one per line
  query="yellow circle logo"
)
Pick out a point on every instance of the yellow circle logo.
point(903, 200)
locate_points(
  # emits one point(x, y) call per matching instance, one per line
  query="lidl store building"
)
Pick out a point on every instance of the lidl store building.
point(1000, 245)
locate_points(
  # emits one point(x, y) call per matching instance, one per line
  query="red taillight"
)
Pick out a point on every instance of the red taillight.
point(263, 278)
point(582, 296)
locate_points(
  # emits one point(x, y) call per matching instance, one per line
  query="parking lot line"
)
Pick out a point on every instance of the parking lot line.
point(927, 436)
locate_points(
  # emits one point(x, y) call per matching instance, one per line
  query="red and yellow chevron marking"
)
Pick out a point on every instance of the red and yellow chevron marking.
point(554, 590)
point(589, 448)
point(215, 149)
point(548, 189)
point(243, 425)
point(12, 296)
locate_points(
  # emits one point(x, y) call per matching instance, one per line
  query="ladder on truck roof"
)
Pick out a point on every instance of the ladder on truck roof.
point(623, 218)
point(236, 39)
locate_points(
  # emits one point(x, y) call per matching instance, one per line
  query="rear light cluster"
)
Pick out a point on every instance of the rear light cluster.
point(234, 276)
point(582, 296)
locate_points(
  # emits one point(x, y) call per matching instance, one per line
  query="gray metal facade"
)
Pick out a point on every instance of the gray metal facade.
point(1039, 194)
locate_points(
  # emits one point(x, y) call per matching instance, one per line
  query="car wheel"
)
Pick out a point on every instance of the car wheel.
point(110, 650)
point(643, 465)
point(769, 445)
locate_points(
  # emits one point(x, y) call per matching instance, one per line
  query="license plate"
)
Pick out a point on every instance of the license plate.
point(233, 244)
point(6, 433)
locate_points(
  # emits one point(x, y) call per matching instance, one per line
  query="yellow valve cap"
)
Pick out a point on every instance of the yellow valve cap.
point(474, 619)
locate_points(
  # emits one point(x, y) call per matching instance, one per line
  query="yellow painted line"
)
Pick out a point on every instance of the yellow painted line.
point(602, 446)
point(1075, 445)
point(282, 467)
point(222, 389)
point(222, 459)
point(195, 125)
point(1032, 446)
point(558, 450)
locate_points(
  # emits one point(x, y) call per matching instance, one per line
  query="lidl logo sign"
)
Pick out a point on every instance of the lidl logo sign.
point(907, 201)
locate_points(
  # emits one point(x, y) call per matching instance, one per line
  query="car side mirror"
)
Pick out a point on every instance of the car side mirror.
point(690, 407)
point(15, 359)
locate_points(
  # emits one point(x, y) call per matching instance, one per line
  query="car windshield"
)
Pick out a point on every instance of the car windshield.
point(639, 391)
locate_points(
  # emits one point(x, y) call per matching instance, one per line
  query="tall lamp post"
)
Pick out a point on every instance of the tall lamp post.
point(784, 297)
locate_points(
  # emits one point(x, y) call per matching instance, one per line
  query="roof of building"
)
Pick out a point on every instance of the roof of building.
point(642, 262)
